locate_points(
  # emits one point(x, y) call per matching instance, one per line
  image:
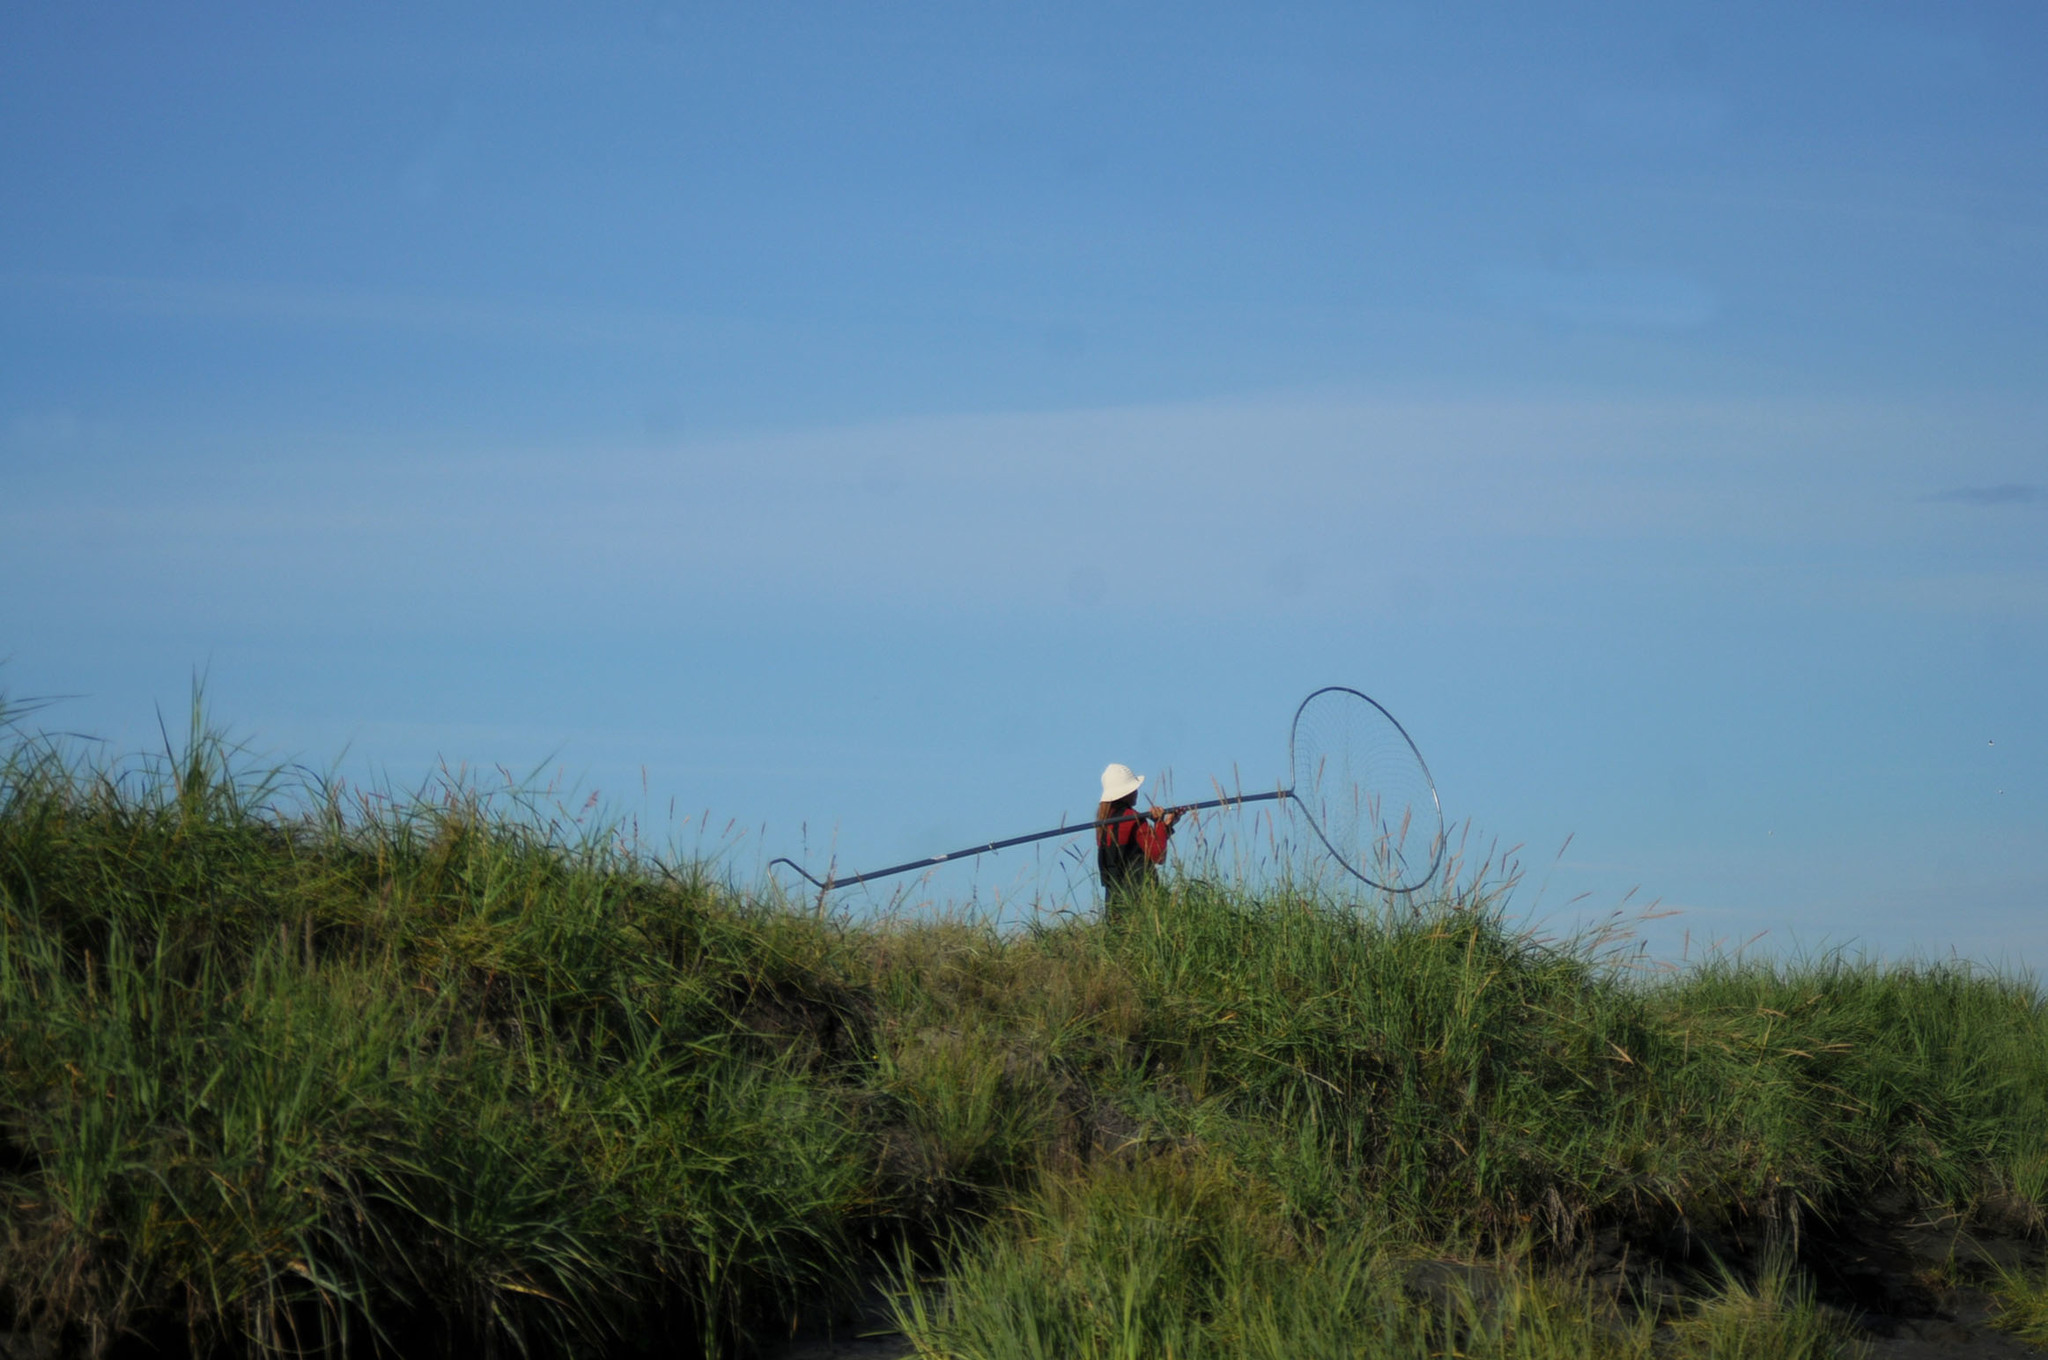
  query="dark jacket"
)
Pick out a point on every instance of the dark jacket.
point(1127, 852)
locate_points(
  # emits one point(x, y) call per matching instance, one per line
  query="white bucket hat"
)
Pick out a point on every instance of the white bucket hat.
point(1117, 780)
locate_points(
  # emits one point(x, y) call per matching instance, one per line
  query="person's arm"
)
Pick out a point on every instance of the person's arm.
point(1152, 839)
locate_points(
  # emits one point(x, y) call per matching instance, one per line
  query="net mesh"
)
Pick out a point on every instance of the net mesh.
point(1365, 790)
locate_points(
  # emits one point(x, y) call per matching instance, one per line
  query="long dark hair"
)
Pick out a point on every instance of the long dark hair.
point(1116, 806)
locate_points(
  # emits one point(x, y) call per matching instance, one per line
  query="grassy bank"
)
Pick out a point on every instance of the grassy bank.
point(442, 1076)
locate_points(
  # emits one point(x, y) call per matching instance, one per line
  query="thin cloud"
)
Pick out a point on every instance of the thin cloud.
point(1348, 494)
point(2008, 493)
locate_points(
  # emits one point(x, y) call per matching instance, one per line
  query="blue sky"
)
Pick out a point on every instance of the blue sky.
point(863, 422)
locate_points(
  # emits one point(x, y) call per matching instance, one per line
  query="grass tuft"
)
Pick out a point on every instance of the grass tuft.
point(286, 1068)
point(2022, 1298)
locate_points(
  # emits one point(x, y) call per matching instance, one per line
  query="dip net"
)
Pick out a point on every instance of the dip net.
point(1363, 786)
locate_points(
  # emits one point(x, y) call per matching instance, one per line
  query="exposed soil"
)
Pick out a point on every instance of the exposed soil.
point(862, 1333)
point(1910, 1283)
point(1914, 1282)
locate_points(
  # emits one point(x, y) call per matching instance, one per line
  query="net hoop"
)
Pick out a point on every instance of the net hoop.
point(1379, 860)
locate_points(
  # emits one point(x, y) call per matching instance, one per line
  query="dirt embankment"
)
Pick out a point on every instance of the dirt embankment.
point(1908, 1282)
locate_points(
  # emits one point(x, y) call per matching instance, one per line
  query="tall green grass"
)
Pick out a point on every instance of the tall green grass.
point(285, 1068)
point(407, 1072)
point(1175, 1259)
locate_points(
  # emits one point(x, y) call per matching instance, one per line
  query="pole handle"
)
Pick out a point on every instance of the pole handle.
point(828, 883)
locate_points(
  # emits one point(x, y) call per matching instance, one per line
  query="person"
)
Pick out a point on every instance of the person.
point(1130, 849)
